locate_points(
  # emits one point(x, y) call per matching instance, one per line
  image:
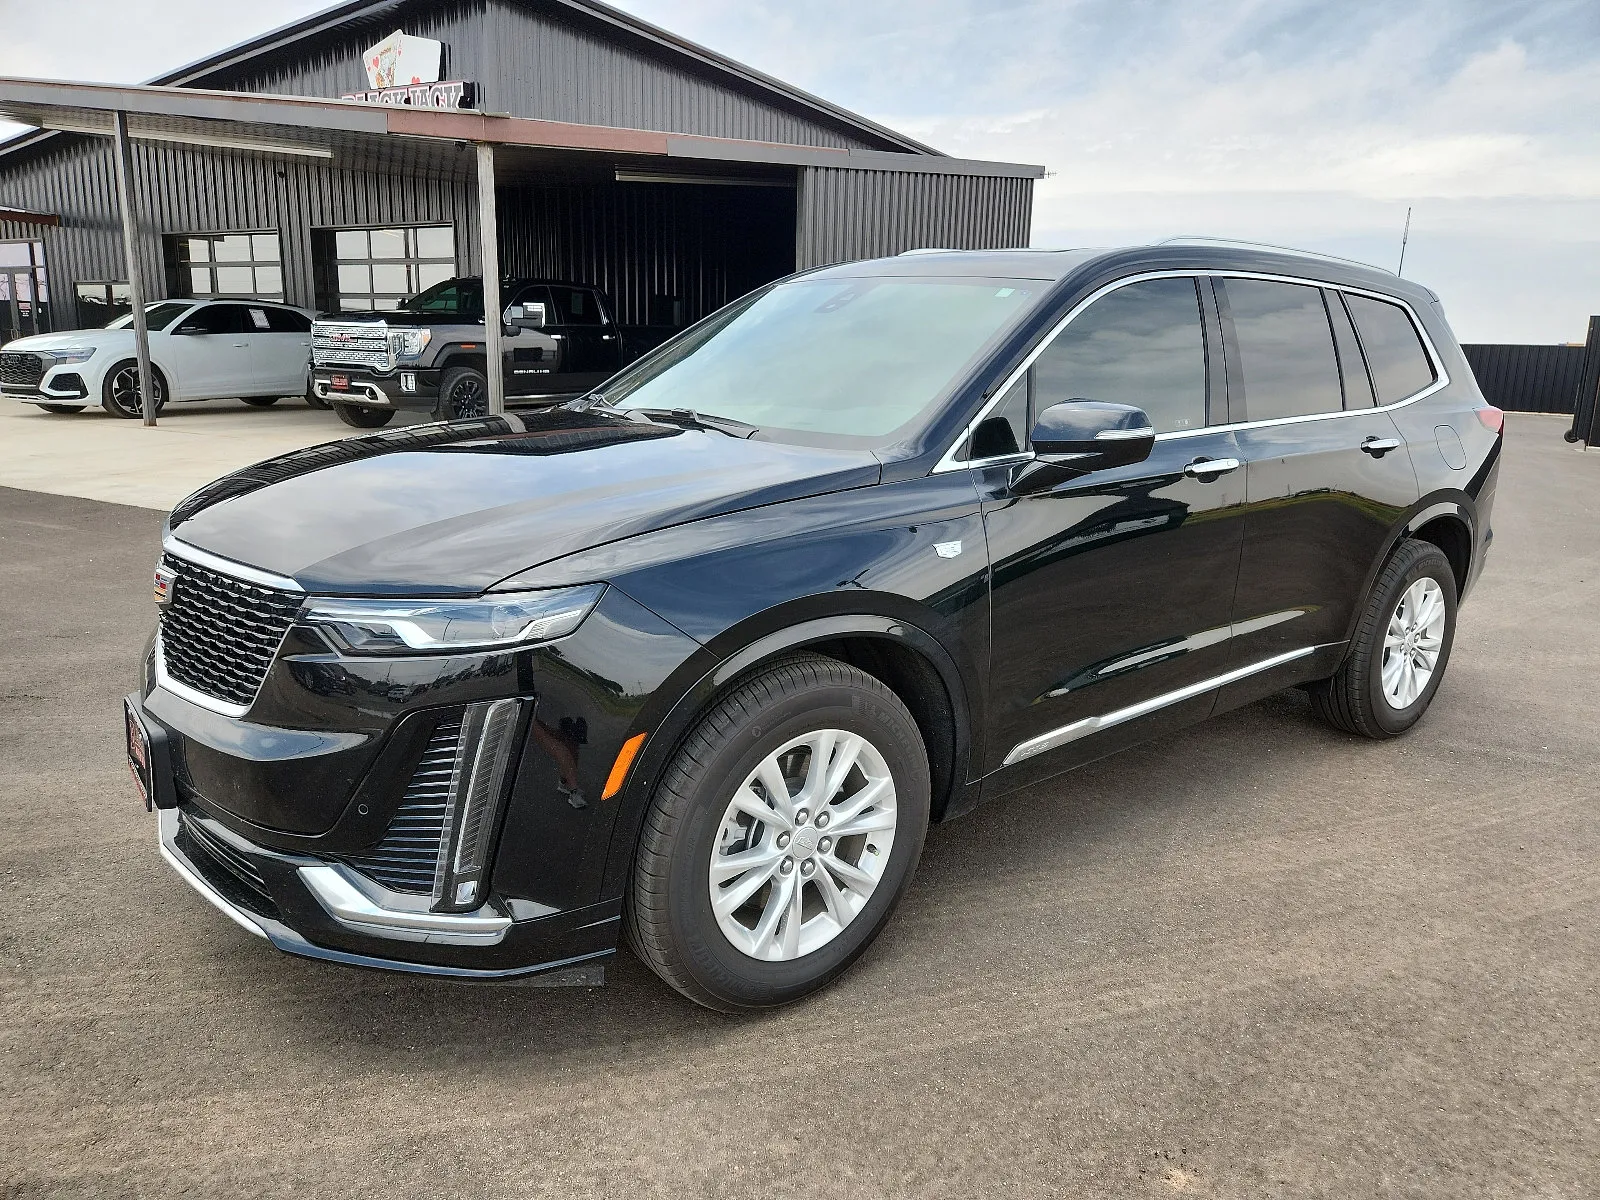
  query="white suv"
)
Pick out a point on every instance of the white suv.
point(199, 350)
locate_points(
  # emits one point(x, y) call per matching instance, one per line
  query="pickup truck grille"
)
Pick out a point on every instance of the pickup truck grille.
point(408, 856)
point(219, 634)
point(21, 370)
point(363, 344)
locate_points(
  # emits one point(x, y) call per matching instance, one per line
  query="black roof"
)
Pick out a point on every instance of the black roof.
point(1177, 255)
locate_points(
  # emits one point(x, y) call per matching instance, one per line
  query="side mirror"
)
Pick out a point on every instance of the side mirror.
point(1079, 436)
point(525, 316)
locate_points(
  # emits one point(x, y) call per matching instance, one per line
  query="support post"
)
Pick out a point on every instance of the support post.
point(489, 238)
point(130, 250)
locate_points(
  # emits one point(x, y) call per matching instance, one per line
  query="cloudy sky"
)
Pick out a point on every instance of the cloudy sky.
point(1312, 123)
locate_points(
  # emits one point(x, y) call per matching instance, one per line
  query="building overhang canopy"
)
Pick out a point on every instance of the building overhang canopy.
point(375, 136)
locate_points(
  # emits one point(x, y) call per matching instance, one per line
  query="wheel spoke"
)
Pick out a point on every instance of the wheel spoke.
point(853, 877)
point(731, 899)
point(876, 820)
point(811, 792)
point(746, 801)
point(845, 755)
point(836, 901)
point(777, 906)
point(789, 930)
point(726, 866)
point(875, 792)
point(778, 790)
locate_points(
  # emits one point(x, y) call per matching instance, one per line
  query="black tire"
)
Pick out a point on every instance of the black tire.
point(668, 913)
point(463, 392)
point(63, 408)
point(1354, 700)
point(314, 400)
point(119, 392)
point(260, 401)
point(364, 416)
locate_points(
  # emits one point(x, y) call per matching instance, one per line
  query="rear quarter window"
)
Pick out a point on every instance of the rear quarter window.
point(1285, 349)
point(1400, 366)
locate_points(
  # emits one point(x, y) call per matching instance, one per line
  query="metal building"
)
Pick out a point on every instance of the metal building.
point(619, 154)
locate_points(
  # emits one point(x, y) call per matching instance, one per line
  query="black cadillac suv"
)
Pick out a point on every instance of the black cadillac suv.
point(696, 658)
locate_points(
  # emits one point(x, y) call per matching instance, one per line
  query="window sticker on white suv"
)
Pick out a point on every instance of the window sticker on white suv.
point(258, 318)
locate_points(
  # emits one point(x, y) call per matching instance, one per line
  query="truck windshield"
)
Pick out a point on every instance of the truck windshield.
point(453, 297)
point(849, 359)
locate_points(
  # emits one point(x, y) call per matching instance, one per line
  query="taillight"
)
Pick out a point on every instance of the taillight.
point(1491, 418)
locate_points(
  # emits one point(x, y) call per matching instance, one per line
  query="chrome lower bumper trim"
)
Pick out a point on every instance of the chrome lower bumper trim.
point(354, 904)
point(367, 394)
point(167, 827)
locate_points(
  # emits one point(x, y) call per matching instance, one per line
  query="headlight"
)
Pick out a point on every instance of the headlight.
point(409, 343)
point(493, 622)
point(72, 354)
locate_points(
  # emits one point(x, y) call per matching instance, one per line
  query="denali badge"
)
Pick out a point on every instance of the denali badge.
point(164, 581)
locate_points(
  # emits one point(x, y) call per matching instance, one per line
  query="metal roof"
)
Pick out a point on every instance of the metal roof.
point(356, 13)
point(355, 131)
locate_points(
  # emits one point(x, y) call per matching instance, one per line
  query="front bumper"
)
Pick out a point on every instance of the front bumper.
point(276, 814)
point(59, 385)
point(404, 389)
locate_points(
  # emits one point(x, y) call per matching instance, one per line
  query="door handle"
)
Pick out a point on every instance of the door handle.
point(1378, 447)
point(1207, 469)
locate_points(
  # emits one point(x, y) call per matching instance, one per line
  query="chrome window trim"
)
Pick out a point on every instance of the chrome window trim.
point(1087, 725)
point(227, 566)
point(948, 462)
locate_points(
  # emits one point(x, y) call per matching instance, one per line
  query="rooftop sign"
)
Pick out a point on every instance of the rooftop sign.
point(404, 71)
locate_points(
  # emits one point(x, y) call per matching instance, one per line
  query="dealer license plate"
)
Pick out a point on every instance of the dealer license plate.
point(138, 754)
point(340, 383)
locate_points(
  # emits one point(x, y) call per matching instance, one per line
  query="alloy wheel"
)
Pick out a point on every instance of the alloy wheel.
point(469, 398)
point(125, 390)
point(1412, 643)
point(803, 844)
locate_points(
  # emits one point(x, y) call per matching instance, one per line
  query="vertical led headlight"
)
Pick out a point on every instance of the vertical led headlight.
point(478, 782)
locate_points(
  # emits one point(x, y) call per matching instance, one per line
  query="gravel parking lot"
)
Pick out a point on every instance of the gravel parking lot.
point(1257, 959)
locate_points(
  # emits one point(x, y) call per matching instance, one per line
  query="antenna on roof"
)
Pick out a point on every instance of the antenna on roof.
point(1216, 241)
point(1404, 238)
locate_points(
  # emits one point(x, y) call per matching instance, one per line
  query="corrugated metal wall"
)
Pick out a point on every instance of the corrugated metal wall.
point(1542, 379)
point(703, 245)
point(541, 60)
point(192, 190)
point(849, 214)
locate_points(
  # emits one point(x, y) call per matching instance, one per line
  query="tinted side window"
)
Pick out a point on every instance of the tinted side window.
point(285, 320)
point(576, 306)
point(1142, 345)
point(215, 318)
point(1399, 364)
point(1006, 429)
point(1352, 367)
point(1285, 349)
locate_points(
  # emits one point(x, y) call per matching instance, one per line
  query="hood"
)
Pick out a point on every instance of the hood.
point(398, 319)
point(62, 341)
point(450, 509)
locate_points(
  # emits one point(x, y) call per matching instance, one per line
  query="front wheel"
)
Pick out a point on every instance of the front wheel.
point(121, 395)
point(1401, 647)
point(259, 401)
point(364, 416)
point(463, 392)
point(781, 837)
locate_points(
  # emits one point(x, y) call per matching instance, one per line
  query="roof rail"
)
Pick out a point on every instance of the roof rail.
point(927, 250)
point(1201, 239)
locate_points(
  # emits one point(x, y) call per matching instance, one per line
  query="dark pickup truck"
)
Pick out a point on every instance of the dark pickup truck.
point(560, 340)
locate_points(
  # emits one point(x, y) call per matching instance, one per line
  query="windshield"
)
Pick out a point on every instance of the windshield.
point(843, 358)
point(156, 316)
point(453, 297)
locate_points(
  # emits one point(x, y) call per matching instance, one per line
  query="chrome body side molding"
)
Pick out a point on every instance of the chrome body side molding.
point(1083, 728)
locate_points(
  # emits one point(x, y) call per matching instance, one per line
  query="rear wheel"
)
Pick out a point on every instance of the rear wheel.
point(463, 392)
point(781, 837)
point(363, 416)
point(1401, 647)
point(260, 401)
point(120, 394)
point(63, 408)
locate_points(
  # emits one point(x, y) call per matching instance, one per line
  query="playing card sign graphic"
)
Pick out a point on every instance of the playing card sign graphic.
point(401, 59)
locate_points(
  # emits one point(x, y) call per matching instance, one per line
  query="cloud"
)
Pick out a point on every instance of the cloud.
point(1307, 122)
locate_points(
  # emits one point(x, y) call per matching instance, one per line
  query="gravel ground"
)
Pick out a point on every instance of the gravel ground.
point(1256, 959)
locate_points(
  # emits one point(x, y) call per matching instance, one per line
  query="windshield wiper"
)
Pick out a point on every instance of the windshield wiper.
point(688, 418)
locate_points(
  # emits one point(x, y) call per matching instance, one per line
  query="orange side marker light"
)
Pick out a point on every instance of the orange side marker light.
point(619, 769)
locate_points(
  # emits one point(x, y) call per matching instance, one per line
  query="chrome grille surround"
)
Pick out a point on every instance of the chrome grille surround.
point(19, 370)
point(407, 859)
point(354, 344)
point(220, 633)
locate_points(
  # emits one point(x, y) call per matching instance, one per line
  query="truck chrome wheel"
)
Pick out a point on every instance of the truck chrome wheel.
point(803, 845)
point(1412, 643)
